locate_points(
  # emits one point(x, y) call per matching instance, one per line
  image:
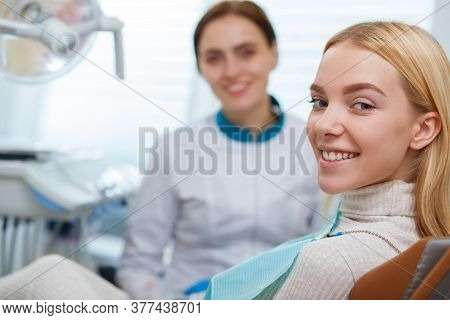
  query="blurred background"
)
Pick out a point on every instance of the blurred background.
point(87, 108)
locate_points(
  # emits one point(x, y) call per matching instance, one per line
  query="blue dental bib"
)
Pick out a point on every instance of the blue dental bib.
point(260, 277)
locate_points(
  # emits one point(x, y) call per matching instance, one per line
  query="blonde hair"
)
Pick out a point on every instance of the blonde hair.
point(425, 68)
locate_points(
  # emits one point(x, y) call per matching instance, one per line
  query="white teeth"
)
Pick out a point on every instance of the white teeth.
point(337, 156)
point(236, 87)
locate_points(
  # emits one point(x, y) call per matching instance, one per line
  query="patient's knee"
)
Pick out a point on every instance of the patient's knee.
point(50, 258)
point(52, 263)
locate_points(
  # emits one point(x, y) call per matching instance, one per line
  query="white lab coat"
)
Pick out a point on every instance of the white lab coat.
point(217, 219)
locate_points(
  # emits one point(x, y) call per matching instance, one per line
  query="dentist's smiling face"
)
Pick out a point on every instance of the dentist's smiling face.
point(236, 59)
point(361, 124)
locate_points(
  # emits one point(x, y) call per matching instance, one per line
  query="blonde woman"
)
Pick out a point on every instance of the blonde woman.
point(381, 94)
point(379, 128)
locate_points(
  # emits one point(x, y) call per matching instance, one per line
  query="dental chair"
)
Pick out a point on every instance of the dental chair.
point(420, 272)
point(47, 197)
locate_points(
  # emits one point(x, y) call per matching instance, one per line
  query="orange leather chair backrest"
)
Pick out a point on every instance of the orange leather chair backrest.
point(420, 272)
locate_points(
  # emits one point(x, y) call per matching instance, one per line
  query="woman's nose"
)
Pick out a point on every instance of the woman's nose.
point(232, 68)
point(330, 122)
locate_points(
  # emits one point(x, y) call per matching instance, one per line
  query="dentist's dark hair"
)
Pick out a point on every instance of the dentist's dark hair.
point(246, 9)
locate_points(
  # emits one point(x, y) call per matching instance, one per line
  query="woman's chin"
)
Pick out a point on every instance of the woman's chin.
point(333, 187)
point(239, 105)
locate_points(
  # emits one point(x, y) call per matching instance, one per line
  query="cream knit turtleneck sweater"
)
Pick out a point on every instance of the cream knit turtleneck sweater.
point(329, 268)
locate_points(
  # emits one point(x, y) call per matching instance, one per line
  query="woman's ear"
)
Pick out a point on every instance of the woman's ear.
point(426, 128)
point(198, 67)
point(274, 49)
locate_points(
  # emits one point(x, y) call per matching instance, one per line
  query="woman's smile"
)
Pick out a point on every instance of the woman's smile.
point(237, 89)
point(333, 158)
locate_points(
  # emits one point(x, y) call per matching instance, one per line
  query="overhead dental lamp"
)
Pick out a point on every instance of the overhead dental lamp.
point(43, 39)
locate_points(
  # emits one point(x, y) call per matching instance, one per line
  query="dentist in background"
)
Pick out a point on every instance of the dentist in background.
point(260, 193)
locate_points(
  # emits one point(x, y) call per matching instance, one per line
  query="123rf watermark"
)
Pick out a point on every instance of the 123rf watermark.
point(209, 150)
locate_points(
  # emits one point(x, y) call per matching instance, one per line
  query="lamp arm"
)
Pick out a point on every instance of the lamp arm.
point(108, 24)
point(118, 48)
point(19, 29)
point(61, 38)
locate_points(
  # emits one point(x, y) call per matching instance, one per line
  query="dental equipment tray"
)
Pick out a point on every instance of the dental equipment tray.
point(59, 185)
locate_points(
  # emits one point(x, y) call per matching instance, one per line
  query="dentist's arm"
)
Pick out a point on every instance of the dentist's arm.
point(149, 228)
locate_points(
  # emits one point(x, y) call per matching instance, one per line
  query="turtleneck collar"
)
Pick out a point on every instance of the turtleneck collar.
point(392, 198)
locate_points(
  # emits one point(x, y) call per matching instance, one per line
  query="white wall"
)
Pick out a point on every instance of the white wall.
point(21, 110)
point(441, 24)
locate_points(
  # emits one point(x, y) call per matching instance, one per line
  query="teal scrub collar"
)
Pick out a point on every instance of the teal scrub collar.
point(245, 135)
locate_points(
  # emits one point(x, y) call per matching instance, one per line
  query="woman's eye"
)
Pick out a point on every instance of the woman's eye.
point(318, 103)
point(247, 53)
point(361, 106)
point(212, 59)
